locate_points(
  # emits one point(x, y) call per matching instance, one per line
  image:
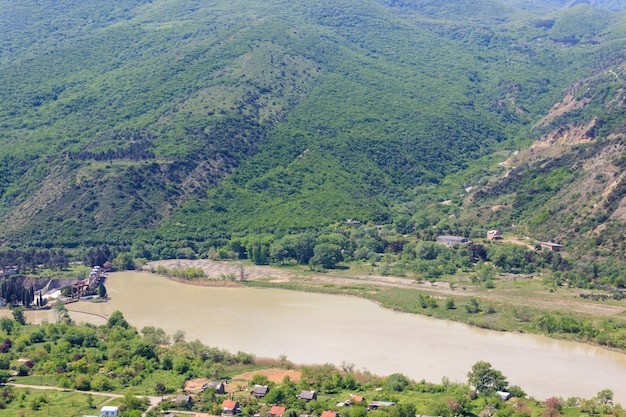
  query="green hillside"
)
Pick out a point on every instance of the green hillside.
point(185, 124)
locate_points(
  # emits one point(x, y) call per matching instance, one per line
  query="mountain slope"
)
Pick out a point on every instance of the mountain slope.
point(191, 122)
point(570, 185)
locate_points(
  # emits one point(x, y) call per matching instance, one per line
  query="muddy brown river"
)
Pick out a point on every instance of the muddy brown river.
point(317, 328)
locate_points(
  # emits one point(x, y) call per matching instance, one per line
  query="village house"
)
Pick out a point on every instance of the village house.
point(276, 411)
point(503, 395)
point(551, 246)
point(230, 407)
point(329, 414)
point(259, 391)
point(494, 235)
point(353, 400)
point(451, 240)
point(218, 386)
point(375, 405)
point(356, 399)
point(108, 411)
point(184, 401)
point(307, 395)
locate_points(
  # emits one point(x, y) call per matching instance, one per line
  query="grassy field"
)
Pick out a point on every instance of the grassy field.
point(35, 403)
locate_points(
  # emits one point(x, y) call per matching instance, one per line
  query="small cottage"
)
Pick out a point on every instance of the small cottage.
point(277, 411)
point(230, 407)
point(218, 386)
point(108, 411)
point(356, 399)
point(551, 246)
point(451, 240)
point(494, 235)
point(307, 395)
point(329, 414)
point(184, 401)
point(259, 391)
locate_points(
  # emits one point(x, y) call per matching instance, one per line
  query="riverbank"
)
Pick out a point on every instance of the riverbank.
point(519, 304)
point(310, 328)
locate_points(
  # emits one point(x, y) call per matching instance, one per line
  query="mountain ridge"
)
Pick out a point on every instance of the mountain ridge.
point(221, 120)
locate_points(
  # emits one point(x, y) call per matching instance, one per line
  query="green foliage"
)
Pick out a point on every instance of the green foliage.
point(117, 320)
point(485, 379)
point(185, 273)
point(205, 129)
point(396, 382)
point(326, 256)
point(124, 261)
point(18, 315)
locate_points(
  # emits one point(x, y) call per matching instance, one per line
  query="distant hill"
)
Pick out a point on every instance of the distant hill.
point(549, 5)
point(183, 124)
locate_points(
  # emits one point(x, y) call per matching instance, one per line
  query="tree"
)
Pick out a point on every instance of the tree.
point(553, 408)
point(299, 247)
point(179, 336)
point(397, 382)
point(82, 382)
point(117, 319)
point(102, 291)
point(485, 379)
point(605, 396)
point(4, 377)
point(6, 324)
point(61, 310)
point(160, 389)
point(124, 261)
point(131, 402)
point(18, 315)
point(326, 255)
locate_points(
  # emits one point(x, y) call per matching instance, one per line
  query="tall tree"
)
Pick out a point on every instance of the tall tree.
point(485, 379)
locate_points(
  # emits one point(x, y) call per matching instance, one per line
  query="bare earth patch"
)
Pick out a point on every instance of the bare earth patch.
point(195, 385)
point(221, 270)
point(274, 375)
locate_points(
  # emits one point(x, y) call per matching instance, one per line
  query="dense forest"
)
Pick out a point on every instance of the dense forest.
point(244, 127)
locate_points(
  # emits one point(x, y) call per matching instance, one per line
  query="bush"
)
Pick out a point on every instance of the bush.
point(82, 383)
point(397, 382)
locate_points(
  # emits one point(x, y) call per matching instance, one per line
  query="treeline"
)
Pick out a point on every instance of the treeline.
point(32, 259)
point(15, 293)
point(606, 332)
point(390, 253)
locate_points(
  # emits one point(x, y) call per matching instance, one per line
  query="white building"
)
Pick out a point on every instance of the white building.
point(108, 411)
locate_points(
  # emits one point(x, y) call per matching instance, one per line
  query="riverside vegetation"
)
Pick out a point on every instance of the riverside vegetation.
point(116, 358)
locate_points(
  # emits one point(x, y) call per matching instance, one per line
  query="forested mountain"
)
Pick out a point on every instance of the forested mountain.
point(184, 123)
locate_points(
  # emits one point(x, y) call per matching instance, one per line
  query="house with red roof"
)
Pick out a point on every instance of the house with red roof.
point(230, 407)
point(277, 411)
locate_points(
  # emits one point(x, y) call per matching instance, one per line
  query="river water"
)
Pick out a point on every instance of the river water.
point(317, 328)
